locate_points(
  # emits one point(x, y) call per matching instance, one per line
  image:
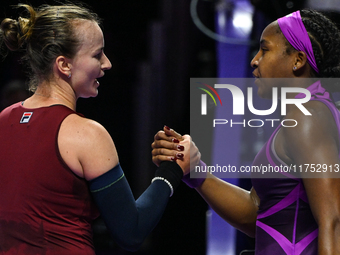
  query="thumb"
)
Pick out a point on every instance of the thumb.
point(170, 132)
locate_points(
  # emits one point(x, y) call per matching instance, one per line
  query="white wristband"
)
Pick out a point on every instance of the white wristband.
point(166, 181)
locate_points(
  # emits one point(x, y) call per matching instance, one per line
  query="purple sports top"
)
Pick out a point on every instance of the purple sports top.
point(285, 224)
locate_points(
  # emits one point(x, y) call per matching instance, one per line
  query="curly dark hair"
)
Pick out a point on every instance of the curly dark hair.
point(325, 39)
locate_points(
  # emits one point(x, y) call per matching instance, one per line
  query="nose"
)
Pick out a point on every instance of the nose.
point(254, 63)
point(106, 65)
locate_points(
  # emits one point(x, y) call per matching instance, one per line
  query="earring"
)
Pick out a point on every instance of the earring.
point(294, 68)
point(69, 75)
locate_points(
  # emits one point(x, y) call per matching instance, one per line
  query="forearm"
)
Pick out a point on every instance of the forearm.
point(130, 221)
point(233, 204)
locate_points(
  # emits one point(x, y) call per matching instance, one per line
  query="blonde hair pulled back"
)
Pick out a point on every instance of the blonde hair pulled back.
point(43, 34)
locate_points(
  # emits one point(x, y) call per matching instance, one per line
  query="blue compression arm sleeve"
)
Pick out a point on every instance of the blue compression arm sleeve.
point(130, 221)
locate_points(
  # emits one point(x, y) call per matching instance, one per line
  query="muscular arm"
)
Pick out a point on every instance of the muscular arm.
point(235, 205)
point(89, 151)
point(86, 147)
point(315, 141)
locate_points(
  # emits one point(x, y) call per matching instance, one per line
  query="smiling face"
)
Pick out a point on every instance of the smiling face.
point(90, 62)
point(272, 60)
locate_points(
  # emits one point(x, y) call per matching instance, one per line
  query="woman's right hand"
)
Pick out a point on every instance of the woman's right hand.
point(171, 146)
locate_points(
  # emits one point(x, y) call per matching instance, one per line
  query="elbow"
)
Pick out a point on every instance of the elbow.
point(251, 234)
point(248, 229)
point(247, 225)
point(251, 229)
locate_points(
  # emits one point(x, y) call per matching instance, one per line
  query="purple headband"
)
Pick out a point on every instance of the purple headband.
point(296, 34)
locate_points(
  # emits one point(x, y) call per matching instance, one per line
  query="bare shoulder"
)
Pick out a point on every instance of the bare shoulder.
point(86, 147)
point(318, 130)
point(320, 121)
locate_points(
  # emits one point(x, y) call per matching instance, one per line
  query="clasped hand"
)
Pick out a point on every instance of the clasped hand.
point(168, 145)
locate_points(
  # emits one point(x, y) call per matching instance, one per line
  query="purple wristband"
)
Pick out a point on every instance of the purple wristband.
point(194, 182)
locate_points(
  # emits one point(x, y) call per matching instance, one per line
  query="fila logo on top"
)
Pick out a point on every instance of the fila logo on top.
point(26, 117)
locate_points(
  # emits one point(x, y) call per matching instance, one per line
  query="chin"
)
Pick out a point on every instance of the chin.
point(263, 94)
point(88, 95)
point(260, 95)
point(259, 92)
point(94, 94)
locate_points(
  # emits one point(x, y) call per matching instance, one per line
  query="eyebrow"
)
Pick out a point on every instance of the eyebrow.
point(100, 49)
point(263, 42)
